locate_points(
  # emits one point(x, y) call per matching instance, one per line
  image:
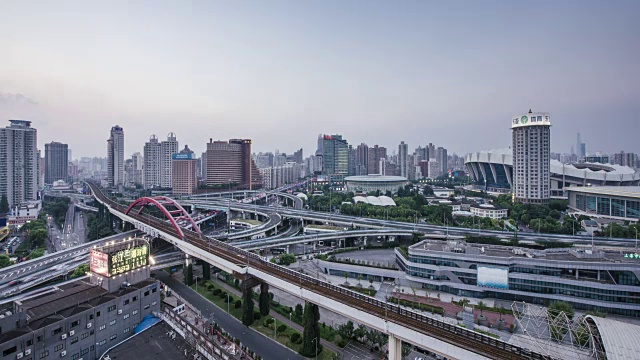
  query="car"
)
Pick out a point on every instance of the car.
point(15, 282)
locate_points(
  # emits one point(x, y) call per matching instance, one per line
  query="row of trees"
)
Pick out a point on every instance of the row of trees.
point(57, 208)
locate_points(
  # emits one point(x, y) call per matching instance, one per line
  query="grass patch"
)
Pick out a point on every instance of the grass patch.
point(416, 305)
point(362, 290)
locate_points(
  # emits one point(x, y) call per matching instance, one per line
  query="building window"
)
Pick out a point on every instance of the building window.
point(29, 342)
point(84, 336)
point(9, 351)
point(74, 340)
point(84, 351)
point(102, 327)
point(75, 323)
point(154, 290)
point(146, 293)
point(135, 298)
point(126, 330)
point(97, 313)
point(126, 302)
point(113, 337)
point(75, 356)
point(102, 342)
point(112, 322)
point(126, 316)
point(153, 303)
point(146, 306)
point(111, 308)
point(56, 331)
point(134, 312)
point(92, 347)
point(59, 347)
point(39, 338)
point(44, 354)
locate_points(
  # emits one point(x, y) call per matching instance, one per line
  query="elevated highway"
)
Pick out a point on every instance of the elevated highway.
point(400, 324)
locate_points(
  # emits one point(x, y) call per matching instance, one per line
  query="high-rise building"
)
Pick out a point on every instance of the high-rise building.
point(531, 143)
point(403, 160)
point(626, 159)
point(335, 154)
point(297, 156)
point(203, 166)
point(167, 149)
point(230, 162)
point(184, 172)
point(152, 154)
point(56, 162)
point(115, 157)
point(442, 158)
point(352, 161)
point(362, 159)
point(374, 155)
point(19, 162)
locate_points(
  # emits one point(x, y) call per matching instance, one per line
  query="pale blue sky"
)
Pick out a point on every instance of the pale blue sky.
point(281, 72)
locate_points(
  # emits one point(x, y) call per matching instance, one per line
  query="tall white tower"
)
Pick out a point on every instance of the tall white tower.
point(151, 158)
point(168, 148)
point(531, 136)
point(115, 156)
point(403, 160)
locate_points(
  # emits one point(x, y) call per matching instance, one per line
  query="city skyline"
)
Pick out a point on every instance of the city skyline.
point(404, 72)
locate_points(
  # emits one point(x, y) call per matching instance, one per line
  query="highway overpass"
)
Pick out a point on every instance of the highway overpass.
point(398, 323)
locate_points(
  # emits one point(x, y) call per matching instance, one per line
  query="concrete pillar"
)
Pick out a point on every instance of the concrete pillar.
point(206, 270)
point(395, 348)
point(287, 249)
point(188, 271)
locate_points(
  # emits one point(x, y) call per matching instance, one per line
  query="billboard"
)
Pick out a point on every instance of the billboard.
point(99, 263)
point(493, 277)
point(183, 156)
point(128, 259)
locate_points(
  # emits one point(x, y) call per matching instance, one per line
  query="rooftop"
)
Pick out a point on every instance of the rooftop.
point(153, 344)
point(375, 178)
point(625, 191)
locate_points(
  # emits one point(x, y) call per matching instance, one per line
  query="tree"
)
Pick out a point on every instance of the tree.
point(5, 261)
point(247, 307)
point(81, 270)
point(263, 300)
point(346, 331)
point(311, 333)
point(360, 333)
point(406, 349)
point(4, 204)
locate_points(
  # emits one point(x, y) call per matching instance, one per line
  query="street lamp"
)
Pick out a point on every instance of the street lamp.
point(275, 325)
point(315, 339)
point(386, 297)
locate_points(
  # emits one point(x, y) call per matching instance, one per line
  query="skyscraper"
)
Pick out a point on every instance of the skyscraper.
point(19, 162)
point(152, 153)
point(167, 149)
point(403, 160)
point(335, 154)
point(184, 172)
point(362, 159)
point(56, 162)
point(374, 155)
point(115, 157)
point(230, 162)
point(442, 159)
point(531, 143)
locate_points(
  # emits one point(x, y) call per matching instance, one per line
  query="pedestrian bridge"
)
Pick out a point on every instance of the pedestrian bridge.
point(399, 324)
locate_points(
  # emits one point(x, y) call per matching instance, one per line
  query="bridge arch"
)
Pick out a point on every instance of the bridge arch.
point(169, 207)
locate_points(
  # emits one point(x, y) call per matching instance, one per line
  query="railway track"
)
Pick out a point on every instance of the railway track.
point(454, 335)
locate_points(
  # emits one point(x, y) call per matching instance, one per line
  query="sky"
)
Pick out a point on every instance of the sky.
point(452, 73)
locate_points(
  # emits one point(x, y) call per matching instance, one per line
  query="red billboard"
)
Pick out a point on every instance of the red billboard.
point(99, 263)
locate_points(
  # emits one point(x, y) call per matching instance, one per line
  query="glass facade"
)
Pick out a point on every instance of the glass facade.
point(608, 206)
point(587, 284)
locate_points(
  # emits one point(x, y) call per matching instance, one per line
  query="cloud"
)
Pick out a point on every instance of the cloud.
point(17, 98)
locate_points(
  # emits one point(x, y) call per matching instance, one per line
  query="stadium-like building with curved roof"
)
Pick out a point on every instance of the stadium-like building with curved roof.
point(368, 183)
point(494, 169)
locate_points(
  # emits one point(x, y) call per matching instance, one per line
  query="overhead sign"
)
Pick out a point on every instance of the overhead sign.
point(128, 259)
point(99, 263)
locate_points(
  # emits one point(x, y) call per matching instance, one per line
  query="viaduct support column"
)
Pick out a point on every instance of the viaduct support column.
point(206, 270)
point(188, 270)
point(264, 303)
point(395, 348)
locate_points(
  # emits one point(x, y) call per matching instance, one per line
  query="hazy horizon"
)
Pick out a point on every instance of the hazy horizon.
point(282, 72)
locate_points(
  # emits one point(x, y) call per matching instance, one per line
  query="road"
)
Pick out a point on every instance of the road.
point(263, 346)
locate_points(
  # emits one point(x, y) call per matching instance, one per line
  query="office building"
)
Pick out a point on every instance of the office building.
point(596, 158)
point(625, 159)
point(230, 162)
point(56, 162)
point(610, 202)
point(264, 160)
point(403, 161)
point(115, 157)
point(203, 166)
point(19, 162)
point(297, 156)
point(588, 279)
point(84, 318)
point(362, 160)
point(334, 151)
point(531, 144)
point(184, 172)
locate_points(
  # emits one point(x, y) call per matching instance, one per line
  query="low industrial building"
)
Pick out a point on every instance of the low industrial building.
point(489, 210)
point(369, 183)
point(589, 279)
point(609, 202)
point(82, 319)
